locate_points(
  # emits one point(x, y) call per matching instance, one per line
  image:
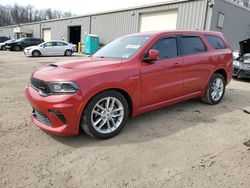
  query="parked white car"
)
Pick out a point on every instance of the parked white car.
point(51, 48)
point(2, 44)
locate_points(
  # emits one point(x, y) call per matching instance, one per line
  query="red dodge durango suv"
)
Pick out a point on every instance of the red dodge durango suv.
point(129, 76)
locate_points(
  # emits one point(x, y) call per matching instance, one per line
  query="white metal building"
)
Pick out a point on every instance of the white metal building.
point(225, 16)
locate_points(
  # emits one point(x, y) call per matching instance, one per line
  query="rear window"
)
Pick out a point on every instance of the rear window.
point(216, 42)
point(192, 45)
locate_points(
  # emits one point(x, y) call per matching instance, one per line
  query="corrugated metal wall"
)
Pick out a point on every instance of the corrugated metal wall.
point(35, 28)
point(59, 28)
point(236, 22)
point(191, 15)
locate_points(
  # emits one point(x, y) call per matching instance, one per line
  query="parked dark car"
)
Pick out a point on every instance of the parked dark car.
point(4, 38)
point(22, 43)
point(242, 63)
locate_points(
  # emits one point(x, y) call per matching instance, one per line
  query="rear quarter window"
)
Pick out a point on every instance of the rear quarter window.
point(192, 45)
point(216, 42)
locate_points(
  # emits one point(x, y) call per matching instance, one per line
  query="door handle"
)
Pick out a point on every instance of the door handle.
point(176, 65)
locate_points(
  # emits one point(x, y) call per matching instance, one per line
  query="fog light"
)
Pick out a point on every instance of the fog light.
point(59, 115)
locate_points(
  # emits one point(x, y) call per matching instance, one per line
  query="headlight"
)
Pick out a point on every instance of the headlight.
point(237, 63)
point(63, 87)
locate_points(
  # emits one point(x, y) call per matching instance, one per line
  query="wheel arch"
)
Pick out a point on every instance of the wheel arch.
point(223, 73)
point(123, 91)
point(36, 50)
point(68, 49)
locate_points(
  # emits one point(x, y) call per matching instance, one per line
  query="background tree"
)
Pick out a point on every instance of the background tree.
point(17, 14)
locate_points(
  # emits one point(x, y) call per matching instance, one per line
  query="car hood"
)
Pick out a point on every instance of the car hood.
point(30, 47)
point(14, 42)
point(244, 46)
point(75, 70)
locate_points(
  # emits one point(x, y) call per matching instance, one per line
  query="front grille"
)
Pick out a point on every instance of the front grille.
point(41, 117)
point(39, 85)
point(236, 70)
point(247, 72)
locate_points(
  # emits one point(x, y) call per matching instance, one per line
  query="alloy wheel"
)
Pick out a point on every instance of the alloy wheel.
point(107, 115)
point(217, 89)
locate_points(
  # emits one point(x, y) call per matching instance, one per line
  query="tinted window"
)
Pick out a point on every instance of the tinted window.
point(26, 40)
point(49, 44)
point(3, 39)
point(167, 47)
point(38, 41)
point(192, 45)
point(216, 42)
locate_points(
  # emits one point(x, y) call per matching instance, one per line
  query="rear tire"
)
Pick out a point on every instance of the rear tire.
point(105, 115)
point(68, 53)
point(36, 53)
point(17, 48)
point(215, 89)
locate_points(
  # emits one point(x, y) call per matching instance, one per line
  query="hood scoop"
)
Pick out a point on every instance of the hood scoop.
point(53, 65)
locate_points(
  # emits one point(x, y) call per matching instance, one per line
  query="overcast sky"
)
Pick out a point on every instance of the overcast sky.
point(81, 6)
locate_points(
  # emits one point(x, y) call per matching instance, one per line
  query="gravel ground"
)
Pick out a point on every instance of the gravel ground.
point(190, 144)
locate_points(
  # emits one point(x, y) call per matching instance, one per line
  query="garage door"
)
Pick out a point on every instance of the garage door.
point(46, 34)
point(158, 21)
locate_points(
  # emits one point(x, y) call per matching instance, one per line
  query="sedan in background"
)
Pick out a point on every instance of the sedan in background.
point(242, 66)
point(51, 48)
point(3, 44)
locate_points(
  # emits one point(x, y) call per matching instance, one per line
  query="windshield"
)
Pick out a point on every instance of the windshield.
point(122, 48)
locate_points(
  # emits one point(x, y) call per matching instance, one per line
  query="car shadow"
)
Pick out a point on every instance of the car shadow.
point(164, 122)
point(63, 56)
point(242, 79)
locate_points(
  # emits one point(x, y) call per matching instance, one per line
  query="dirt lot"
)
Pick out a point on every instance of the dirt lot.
point(186, 145)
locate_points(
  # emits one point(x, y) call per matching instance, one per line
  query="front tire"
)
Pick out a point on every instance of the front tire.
point(36, 53)
point(215, 89)
point(105, 115)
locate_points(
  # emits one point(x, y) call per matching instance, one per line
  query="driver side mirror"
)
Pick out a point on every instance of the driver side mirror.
point(153, 55)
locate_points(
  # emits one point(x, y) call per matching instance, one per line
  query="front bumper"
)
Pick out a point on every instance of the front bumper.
point(56, 114)
point(27, 52)
point(8, 47)
point(242, 71)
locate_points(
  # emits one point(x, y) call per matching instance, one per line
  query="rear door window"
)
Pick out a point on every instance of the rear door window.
point(192, 45)
point(61, 44)
point(216, 42)
point(167, 47)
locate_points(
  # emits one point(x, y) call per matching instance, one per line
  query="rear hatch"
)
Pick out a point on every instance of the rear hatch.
point(244, 46)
